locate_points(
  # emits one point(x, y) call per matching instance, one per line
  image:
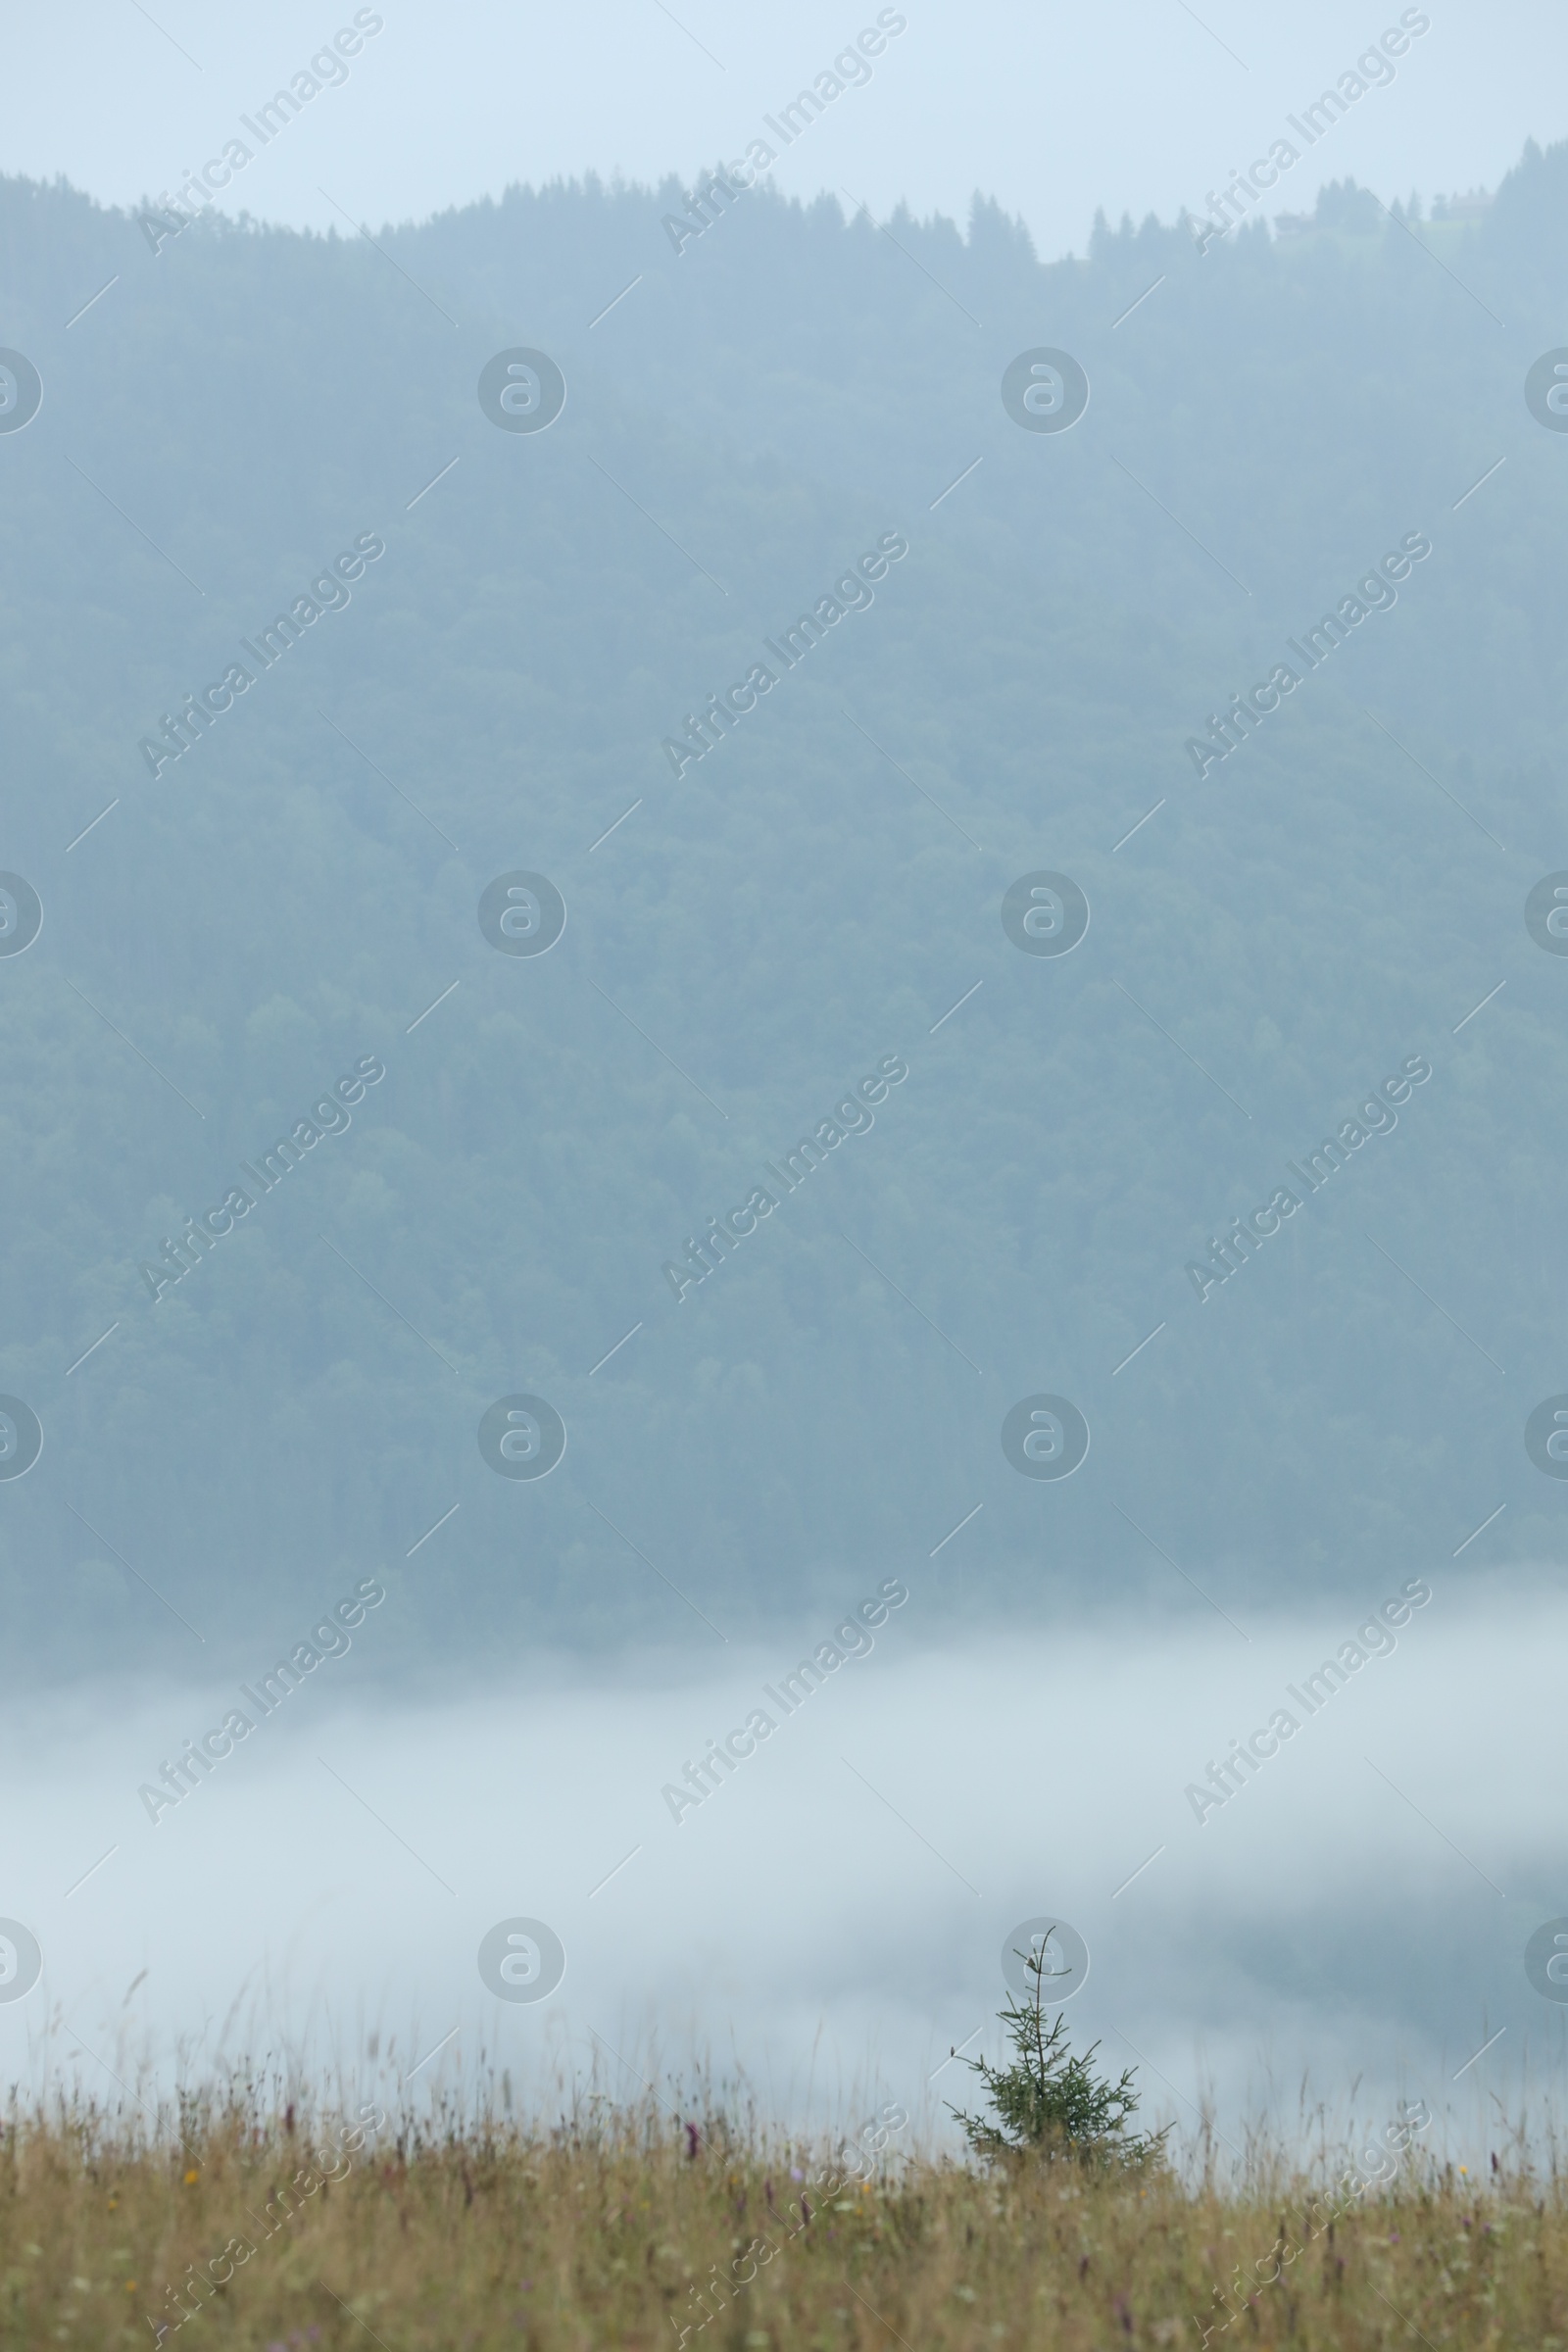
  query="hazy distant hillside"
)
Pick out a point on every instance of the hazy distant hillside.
point(781, 396)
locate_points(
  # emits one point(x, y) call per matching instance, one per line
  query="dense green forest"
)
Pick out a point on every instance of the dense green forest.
point(497, 637)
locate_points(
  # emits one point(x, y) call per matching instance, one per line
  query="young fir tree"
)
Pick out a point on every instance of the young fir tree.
point(1050, 2104)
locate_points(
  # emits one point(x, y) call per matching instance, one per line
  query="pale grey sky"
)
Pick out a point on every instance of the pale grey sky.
point(1142, 106)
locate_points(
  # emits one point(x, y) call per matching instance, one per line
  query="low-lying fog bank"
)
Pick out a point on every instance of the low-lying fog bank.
point(824, 1902)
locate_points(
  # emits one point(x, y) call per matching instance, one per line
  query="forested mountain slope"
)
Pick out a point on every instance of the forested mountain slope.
point(276, 909)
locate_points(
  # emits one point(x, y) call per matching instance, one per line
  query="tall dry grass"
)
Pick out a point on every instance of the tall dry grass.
point(617, 2227)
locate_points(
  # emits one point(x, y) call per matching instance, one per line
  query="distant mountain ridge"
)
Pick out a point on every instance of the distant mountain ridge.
point(300, 888)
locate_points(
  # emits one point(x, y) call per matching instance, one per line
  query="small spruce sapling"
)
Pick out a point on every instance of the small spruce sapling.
point(1050, 2104)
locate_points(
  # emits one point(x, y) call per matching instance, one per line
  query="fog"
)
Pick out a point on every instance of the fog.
point(828, 1923)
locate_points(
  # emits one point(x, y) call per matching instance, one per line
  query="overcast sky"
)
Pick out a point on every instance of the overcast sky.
point(1139, 107)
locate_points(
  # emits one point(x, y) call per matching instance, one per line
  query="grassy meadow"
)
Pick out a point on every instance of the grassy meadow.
point(231, 2227)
